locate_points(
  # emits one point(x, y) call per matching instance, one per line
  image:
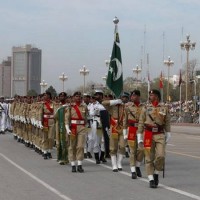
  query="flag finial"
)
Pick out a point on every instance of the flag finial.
point(115, 20)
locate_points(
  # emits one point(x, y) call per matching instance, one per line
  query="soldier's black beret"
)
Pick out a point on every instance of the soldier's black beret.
point(77, 93)
point(135, 92)
point(63, 94)
point(156, 92)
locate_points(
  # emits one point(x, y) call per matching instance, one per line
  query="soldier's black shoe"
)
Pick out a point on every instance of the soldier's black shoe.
point(15, 137)
point(96, 155)
point(85, 155)
point(152, 184)
point(49, 155)
point(138, 172)
point(156, 179)
point(134, 175)
point(31, 146)
point(89, 155)
point(102, 157)
point(18, 140)
point(3, 132)
point(115, 170)
point(73, 168)
point(120, 169)
point(45, 155)
point(80, 169)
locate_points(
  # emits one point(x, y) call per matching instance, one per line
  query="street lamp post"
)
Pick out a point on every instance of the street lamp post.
point(137, 70)
point(195, 93)
point(43, 84)
point(63, 78)
point(169, 63)
point(187, 45)
point(84, 71)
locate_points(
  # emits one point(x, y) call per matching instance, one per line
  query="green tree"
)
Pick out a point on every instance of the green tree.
point(52, 90)
point(32, 93)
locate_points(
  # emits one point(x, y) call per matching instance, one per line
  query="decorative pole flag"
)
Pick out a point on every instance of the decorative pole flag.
point(161, 81)
point(148, 84)
point(115, 74)
point(161, 86)
point(180, 79)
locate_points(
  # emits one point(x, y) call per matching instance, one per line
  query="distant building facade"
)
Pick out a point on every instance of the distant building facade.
point(25, 70)
point(5, 78)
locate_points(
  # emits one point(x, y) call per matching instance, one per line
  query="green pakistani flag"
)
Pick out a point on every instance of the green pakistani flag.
point(115, 74)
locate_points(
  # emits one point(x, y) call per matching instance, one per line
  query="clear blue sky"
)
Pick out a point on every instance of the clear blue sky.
point(73, 33)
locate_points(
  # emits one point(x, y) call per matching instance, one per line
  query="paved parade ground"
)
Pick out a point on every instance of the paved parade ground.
point(24, 175)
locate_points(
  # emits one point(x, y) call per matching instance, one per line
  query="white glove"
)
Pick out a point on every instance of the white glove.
point(139, 138)
point(40, 125)
point(167, 137)
point(68, 129)
point(115, 102)
point(125, 134)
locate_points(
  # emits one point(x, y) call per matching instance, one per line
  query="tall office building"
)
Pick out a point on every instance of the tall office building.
point(25, 70)
point(5, 78)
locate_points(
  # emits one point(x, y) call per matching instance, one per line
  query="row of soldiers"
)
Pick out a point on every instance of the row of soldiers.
point(95, 124)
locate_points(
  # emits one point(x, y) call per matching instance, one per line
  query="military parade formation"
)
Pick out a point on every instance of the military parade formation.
point(92, 125)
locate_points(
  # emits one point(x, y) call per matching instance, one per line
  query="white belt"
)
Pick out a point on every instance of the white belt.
point(48, 116)
point(81, 122)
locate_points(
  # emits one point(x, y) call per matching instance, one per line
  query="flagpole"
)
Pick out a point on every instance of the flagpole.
point(115, 72)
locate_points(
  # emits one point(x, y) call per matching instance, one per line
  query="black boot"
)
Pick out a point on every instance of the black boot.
point(89, 155)
point(49, 155)
point(134, 175)
point(156, 179)
point(138, 172)
point(96, 155)
point(85, 155)
point(73, 169)
point(102, 157)
point(45, 155)
point(152, 184)
point(80, 169)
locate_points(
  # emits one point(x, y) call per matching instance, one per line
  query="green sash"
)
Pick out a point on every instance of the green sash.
point(63, 151)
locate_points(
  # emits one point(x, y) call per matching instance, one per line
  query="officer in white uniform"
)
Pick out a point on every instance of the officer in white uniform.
point(3, 111)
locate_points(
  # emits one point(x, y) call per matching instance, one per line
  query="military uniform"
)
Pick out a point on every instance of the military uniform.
point(75, 123)
point(130, 123)
point(96, 133)
point(61, 135)
point(47, 131)
point(3, 115)
point(154, 122)
point(117, 142)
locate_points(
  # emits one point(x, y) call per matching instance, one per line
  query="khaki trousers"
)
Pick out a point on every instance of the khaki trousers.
point(136, 153)
point(76, 146)
point(117, 145)
point(154, 158)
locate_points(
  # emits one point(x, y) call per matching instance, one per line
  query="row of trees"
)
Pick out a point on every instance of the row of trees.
point(130, 85)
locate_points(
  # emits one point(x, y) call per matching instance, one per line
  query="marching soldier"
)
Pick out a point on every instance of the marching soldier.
point(47, 126)
point(117, 142)
point(61, 138)
point(3, 111)
point(130, 123)
point(95, 135)
point(154, 122)
point(104, 119)
point(75, 124)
